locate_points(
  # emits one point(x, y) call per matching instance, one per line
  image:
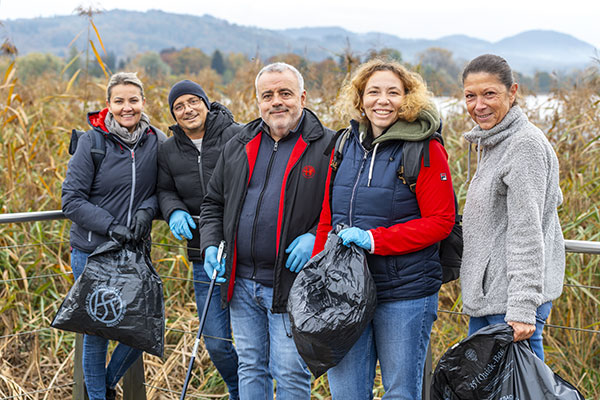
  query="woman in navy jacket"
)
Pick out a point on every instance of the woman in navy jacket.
point(398, 228)
point(115, 199)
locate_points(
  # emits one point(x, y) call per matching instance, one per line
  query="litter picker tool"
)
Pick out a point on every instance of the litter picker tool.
point(202, 320)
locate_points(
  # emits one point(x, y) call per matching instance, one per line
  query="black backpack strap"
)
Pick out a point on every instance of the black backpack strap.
point(98, 149)
point(412, 152)
point(339, 140)
point(411, 162)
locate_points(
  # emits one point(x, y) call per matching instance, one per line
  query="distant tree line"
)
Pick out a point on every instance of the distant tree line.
point(438, 67)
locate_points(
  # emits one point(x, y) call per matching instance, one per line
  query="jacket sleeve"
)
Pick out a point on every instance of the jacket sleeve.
point(169, 199)
point(151, 204)
point(436, 203)
point(324, 226)
point(211, 217)
point(526, 190)
point(76, 191)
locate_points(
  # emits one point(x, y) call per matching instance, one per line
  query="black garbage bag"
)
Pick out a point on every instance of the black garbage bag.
point(489, 365)
point(331, 302)
point(119, 297)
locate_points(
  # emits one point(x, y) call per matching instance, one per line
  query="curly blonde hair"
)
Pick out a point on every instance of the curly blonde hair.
point(415, 99)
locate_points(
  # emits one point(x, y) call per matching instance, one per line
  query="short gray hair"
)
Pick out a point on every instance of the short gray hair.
point(123, 78)
point(280, 67)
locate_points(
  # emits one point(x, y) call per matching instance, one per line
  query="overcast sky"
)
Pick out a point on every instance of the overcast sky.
point(489, 20)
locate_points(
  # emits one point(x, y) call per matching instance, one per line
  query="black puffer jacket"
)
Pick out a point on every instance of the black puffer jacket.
point(298, 211)
point(180, 184)
point(124, 183)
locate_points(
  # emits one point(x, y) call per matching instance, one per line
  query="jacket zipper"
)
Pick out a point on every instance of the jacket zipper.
point(202, 184)
point(354, 188)
point(133, 183)
point(258, 204)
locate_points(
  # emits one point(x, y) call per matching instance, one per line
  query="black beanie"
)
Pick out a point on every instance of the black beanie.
point(186, 87)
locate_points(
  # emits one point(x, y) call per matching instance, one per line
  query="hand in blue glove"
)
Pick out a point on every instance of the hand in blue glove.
point(299, 252)
point(211, 264)
point(357, 236)
point(180, 223)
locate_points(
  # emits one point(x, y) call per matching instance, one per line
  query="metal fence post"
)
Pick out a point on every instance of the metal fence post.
point(133, 381)
point(79, 392)
point(427, 374)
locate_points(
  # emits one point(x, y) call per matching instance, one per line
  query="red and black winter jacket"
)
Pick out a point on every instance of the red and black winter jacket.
point(298, 206)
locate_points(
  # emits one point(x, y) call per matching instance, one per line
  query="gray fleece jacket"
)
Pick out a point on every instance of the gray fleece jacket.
point(514, 252)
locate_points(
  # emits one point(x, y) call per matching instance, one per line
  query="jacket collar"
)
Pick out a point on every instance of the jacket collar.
point(310, 128)
point(505, 128)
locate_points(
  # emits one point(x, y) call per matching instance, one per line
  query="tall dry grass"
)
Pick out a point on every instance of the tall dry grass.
point(35, 122)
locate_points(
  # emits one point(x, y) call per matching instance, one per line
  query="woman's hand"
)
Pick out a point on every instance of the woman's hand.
point(521, 330)
point(357, 236)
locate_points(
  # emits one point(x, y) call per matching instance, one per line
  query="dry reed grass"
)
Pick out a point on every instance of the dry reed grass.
point(35, 122)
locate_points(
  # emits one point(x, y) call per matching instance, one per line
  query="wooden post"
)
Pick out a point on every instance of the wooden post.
point(133, 381)
point(79, 392)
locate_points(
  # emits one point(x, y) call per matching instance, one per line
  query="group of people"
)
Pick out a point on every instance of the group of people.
point(267, 189)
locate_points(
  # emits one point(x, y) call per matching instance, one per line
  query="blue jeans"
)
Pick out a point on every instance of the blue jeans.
point(541, 315)
point(265, 346)
point(217, 331)
point(96, 374)
point(398, 336)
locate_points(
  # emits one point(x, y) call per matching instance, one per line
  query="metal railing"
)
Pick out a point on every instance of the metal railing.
point(134, 386)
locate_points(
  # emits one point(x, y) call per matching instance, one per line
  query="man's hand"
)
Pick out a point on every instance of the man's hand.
point(180, 223)
point(299, 252)
point(211, 264)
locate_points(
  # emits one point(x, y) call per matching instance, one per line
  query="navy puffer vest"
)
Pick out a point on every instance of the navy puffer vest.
point(386, 202)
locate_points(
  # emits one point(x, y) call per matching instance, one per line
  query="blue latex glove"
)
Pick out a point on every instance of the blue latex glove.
point(210, 264)
point(299, 252)
point(357, 236)
point(180, 224)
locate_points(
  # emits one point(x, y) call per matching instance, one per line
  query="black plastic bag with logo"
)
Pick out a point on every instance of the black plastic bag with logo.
point(331, 302)
point(489, 365)
point(119, 297)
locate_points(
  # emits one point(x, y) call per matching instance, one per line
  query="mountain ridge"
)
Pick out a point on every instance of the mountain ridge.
point(128, 32)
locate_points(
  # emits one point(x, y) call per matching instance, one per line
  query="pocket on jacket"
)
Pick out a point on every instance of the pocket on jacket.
point(484, 284)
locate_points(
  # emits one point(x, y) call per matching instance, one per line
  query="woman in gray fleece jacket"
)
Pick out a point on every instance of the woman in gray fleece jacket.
point(514, 256)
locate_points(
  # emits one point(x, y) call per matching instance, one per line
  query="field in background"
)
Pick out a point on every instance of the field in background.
point(35, 124)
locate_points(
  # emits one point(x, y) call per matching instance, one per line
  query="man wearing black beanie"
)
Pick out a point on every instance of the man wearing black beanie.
point(186, 162)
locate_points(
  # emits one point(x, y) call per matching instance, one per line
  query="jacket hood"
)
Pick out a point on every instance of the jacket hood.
point(426, 124)
point(96, 119)
point(311, 129)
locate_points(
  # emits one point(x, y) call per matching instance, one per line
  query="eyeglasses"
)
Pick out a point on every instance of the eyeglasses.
point(193, 103)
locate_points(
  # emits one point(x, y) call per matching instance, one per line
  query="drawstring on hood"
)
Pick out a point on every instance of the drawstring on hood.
point(372, 163)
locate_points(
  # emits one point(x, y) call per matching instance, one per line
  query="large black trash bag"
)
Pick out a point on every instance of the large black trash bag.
point(331, 302)
point(119, 297)
point(489, 365)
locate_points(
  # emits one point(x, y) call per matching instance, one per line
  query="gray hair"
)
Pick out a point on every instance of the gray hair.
point(123, 78)
point(280, 67)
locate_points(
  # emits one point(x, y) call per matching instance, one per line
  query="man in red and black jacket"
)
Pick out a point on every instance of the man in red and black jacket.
point(264, 200)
